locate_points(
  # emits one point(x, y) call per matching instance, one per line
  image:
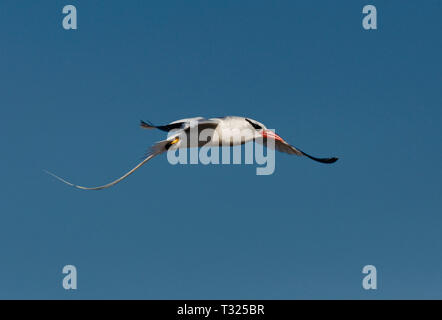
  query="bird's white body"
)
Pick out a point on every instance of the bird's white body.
point(227, 131)
point(234, 130)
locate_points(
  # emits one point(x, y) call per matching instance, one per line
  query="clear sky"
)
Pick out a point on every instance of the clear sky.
point(71, 103)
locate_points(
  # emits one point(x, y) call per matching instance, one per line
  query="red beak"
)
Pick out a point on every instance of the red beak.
point(271, 135)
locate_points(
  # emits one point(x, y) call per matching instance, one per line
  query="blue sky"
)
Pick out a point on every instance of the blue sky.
point(71, 102)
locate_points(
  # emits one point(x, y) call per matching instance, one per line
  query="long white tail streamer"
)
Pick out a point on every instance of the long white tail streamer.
point(109, 184)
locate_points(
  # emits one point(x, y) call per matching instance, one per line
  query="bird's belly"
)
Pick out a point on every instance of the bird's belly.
point(230, 138)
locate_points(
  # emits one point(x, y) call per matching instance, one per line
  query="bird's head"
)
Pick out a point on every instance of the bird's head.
point(262, 131)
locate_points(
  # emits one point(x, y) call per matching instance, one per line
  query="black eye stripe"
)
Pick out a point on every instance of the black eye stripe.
point(254, 125)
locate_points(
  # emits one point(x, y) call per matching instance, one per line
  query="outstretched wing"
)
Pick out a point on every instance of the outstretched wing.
point(283, 146)
point(176, 125)
point(155, 150)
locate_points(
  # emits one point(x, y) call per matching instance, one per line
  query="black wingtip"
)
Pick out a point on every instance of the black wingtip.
point(146, 125)
point(321, 160)
point(324, 160)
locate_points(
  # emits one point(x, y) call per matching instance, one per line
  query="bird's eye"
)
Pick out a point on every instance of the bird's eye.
point(254, 125)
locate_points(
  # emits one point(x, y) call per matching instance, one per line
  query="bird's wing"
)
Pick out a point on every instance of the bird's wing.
point(205, 124)
point(283, 146)
point(202, 125)
point(155, 150)
point(196, 128)
point(187, 120)
point(173, 126)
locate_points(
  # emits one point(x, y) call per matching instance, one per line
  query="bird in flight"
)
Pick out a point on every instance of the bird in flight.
point(222, 132)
